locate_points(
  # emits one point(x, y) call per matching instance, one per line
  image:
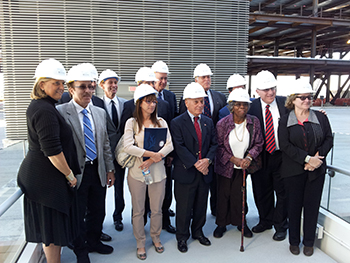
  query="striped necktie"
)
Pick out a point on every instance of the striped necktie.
point(90, 147)
point(270, 132)
point(160, 96)
point(207, 111)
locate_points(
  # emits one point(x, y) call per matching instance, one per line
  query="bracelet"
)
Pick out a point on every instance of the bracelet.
point(250, 158)
point(70, 177)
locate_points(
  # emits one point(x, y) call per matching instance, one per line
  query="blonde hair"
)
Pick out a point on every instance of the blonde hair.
point(289, 101)
point(37, 93)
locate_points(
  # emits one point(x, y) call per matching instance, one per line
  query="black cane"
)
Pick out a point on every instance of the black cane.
point(243, 210)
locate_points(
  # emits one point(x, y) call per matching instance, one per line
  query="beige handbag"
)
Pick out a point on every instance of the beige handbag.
point(124, 159)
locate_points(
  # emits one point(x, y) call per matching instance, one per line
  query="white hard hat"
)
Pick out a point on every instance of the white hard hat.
point(108, 74)
point(93, 70)
point(79, 73)
point(301, 86)
point(160, 66)
point(142, 91)
point(50, 68)
point(265, 80)
point(145, 74)
point(239, 95)
point(194, 90)
point(202, 70)
point(235, 80)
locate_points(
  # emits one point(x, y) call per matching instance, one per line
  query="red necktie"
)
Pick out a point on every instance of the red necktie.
point(199, 136)
point(270, 132)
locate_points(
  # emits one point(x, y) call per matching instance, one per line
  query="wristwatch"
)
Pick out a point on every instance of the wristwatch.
point(210, 161)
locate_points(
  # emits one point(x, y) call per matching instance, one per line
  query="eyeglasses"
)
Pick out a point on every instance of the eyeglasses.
point(83, 87)
point(151, 101)
point(240, 104)
point(309, 97)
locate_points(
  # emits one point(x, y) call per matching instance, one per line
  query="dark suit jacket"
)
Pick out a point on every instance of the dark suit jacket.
point(170, 97)
point(255, 109)
point(219, 100)
point(319, 138)
point(186, 147)
point(129, 108)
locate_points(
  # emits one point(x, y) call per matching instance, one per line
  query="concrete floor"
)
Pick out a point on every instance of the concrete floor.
point(261, 248)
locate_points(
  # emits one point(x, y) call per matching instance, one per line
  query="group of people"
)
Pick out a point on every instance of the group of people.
point(211, 143)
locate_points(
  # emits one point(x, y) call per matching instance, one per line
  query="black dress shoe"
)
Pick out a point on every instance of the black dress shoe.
point(118, 225)
point(219, 231)
point(101, 248)
point(247, 233)
point(260, 228)
point(280, 235)
point(182, 246)
point(170, 229)
point(308, 251)
point(203, 240)
point(171, 213)
point(294, 250)
point(105, 237)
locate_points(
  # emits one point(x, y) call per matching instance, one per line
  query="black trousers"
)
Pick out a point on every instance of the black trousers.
point(266, 182)
point(91, 205)
point(119, 201)
point(191, 197)
point(229, 206)
point(303, 193)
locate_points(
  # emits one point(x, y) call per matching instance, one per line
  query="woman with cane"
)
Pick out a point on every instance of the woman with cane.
point(239, 144)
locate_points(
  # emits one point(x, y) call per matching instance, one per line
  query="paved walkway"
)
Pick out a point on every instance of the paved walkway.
point(261, 248)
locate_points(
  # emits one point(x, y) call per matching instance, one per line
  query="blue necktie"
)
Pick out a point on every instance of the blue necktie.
point(207, 111)
point(160, 96)
point(90, 147)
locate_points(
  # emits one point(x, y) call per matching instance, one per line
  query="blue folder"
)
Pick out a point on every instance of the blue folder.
point(154, 139)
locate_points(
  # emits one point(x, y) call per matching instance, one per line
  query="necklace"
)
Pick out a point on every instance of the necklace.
point(244, 125)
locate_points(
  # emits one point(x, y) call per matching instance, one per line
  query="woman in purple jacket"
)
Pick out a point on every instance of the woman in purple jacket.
point(239, 143)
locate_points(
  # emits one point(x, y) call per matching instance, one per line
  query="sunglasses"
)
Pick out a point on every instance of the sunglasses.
point(309, 97)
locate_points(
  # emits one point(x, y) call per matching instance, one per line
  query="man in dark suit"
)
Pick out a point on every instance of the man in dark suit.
point(114, 105)
point(161, 72)
point(195, 144)
point(95, 160)
point(212, 105)
point(267, 181)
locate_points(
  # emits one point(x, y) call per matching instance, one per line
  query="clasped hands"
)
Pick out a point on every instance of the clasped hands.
point(314, 162)
point(155, 158)
point(202, 166)
point(241, 162)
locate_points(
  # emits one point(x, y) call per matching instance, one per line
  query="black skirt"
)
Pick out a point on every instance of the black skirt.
point(49, 226)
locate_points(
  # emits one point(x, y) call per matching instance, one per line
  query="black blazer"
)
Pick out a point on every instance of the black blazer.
point(219, 100)
point(170, 97)
point(129, 108)
point(186, 148)
point(318, 138)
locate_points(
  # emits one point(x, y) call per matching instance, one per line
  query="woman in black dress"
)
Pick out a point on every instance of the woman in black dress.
point(46, 175)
